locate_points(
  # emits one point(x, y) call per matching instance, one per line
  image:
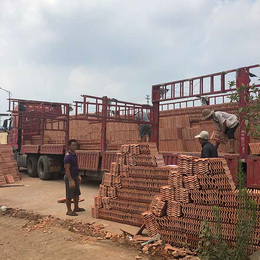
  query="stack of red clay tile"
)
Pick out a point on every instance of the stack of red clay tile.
point(88, 134)
point(178, 127)
point(190, 196)
point(121, 133)
point(128, 189)
point(8, 167)
point(176, 134)
point(170, 133)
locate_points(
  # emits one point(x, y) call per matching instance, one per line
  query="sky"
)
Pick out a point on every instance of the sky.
point(56, 50)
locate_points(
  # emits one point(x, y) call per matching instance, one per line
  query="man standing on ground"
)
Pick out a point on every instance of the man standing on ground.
point(72, 179)
point(208, 149)
point(225, 123)
point(144, 129)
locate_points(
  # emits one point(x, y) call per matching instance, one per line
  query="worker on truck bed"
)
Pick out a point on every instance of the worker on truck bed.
point(225, 123)
point(144, 130)
point(208, 149)
point(72, 179)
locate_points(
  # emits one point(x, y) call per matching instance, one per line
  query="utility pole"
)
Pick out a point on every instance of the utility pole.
point(148, 99)
point(7, 91)
point(9, 96)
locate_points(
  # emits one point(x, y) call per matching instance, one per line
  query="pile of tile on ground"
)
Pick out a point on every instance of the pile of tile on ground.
point(128, 189)
point(8, 167)
point(156, 247)
point(193, 189)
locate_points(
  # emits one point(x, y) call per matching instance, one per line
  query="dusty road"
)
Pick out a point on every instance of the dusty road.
point(41, 196)
point(55, 243)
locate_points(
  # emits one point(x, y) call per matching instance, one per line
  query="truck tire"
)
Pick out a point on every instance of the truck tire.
point(32, 166)
point(43, 167)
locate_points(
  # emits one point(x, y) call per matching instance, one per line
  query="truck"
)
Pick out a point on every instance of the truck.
point(102, 124)
point(187, 98)
point(39, 132)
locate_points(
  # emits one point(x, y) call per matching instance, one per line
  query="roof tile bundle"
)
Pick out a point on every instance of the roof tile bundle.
point(167, 193)
point(8, 166)
point(185, 163)
point(121, 133)
point(174, 209)
point(151, 223)
point(158, 206)
point(128, 189)
point(178, 127)
point(193, 195)
point(88, 134)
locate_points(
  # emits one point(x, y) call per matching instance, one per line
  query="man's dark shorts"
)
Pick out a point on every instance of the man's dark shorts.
point(72, 193)
point(230, 132)
point(144, 130)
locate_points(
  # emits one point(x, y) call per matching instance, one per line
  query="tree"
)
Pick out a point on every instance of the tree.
point(250, 114)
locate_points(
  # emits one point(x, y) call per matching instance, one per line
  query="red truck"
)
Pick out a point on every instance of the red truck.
point(26, 132)
point(31, 120)
point(38, 131)
point(183, 97)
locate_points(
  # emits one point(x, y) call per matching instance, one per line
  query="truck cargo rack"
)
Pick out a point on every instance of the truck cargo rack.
point(106, 110)
point(33, 118)
point(112, 110)
point(211, 84)
point(189, 92)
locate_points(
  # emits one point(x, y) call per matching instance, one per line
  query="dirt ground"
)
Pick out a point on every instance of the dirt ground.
point(56, 243)
point(41, 197)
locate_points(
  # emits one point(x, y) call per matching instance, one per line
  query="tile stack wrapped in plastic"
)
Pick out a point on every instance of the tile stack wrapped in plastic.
point(8, 167)
point(127, 191)
point(193, 189)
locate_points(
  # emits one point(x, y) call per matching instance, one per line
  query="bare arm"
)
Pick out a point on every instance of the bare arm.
point(68, 174)
point(67, 171)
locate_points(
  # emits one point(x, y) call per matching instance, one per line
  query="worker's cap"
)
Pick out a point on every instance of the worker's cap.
point(206, 113)
point(203, 135)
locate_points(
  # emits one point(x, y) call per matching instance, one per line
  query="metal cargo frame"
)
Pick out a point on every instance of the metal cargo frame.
point(38, 117)
point(183, 95)
point(106, 110)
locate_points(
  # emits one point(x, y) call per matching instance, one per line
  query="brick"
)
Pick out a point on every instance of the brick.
point(8, 166)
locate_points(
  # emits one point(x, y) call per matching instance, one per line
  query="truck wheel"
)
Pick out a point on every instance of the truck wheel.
point(44, 168)
point(32, 166)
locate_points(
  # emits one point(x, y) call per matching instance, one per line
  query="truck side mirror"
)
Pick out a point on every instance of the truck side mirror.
point(5, 125)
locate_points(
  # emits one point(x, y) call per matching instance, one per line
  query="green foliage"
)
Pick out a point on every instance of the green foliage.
point(250, 114)
point(206, 247)
point(211, 244)
point(241, 180)
point(246, 219)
